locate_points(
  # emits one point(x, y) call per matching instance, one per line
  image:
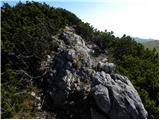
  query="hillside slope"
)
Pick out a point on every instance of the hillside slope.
point(45, 63)
point(152, 44)
point(141, 40)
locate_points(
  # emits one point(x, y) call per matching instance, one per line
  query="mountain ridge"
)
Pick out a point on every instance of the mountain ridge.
point(152, 44)
point(143, 40)
point(46, 63)
point(76, 70)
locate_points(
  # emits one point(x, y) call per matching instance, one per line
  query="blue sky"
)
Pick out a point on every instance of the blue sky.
point(137, 18)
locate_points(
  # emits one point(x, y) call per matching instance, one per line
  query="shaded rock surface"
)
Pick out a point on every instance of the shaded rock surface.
point(85, 86)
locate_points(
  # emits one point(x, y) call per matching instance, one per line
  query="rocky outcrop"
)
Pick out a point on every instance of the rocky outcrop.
point(84, 86)
point(117, 97)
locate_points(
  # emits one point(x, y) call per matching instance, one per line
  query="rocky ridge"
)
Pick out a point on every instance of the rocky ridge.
point(80, 85)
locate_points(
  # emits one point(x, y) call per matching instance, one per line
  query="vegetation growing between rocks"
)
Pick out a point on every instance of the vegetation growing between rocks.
point(27, 31)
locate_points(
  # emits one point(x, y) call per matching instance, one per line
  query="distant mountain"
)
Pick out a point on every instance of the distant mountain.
point(152, 44)
point(148, 43)
point(141, 40)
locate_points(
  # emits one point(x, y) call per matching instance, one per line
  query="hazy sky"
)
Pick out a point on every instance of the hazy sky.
point(137, 18)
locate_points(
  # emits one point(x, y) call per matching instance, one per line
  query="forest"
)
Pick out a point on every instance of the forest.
point(26, 37)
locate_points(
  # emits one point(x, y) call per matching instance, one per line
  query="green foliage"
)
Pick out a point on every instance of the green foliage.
point(27, 31)
point(69, 17)
point(84, 30)
point(141, 66)
point(12, 97)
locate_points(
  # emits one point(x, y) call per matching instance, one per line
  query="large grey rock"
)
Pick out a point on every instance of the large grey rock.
point(71, 38)
point(101, 78)
point(106, 67)
point(74, 74)
point(119, 99)
point(70, 63)
point(101, 96)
